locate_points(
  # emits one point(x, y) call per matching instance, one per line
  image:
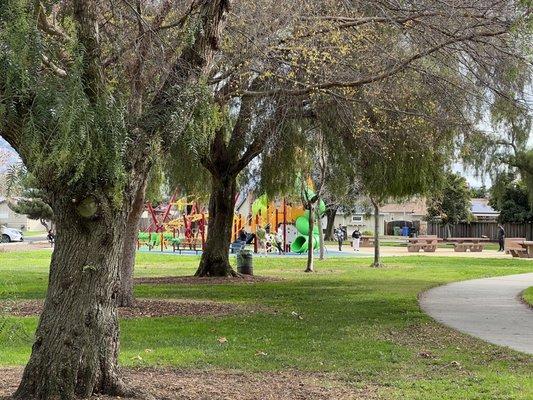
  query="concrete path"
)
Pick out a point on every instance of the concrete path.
point(489, 309)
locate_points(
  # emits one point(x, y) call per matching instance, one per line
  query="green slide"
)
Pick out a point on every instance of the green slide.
point(301, 243)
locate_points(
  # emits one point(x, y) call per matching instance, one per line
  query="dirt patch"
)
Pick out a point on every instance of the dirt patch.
point(167, 384)
point(429, 340)
point(194, 280)
point(148, 308)
point(23, 246)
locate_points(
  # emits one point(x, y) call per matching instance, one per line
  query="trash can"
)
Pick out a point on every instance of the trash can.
point(245, 262)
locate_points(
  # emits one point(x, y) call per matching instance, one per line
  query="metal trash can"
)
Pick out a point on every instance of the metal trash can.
point(245, 262)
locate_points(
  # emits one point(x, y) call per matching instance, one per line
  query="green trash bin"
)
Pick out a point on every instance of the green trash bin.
point(245, 262)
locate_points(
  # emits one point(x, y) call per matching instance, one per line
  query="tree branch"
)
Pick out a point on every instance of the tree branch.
point(386, 73)
point(49, 27)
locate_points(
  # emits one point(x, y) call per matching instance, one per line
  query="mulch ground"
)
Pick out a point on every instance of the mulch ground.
point(194, 280)
point(169, 384)
point(147, 308)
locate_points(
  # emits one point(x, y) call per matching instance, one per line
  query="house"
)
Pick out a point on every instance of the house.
point(11, 219)
point(482, 211)
point(410, 213)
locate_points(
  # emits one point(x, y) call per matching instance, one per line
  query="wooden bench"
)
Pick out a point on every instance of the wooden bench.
point(427, 243)
point(188, 244)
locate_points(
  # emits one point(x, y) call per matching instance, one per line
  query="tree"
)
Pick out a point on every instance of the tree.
point(78, 107)
point(510, 197)
point(479, 192)
point(30, 200)
point(314, 49)
point(451, 204)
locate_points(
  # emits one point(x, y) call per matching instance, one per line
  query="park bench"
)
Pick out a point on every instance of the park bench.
point(188, 244)
point(426, 243)
point(462, 245)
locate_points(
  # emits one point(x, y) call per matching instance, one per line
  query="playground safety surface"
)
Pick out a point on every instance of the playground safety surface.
point(169, 384)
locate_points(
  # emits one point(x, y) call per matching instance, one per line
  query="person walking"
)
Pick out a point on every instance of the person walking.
point(501, 237)
point(356, 239)
point(340, 235)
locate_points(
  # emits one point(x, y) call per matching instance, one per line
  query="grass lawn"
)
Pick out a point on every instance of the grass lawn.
point(361, 324)
point(528, 296)
point(34, 233)
point(388, 243)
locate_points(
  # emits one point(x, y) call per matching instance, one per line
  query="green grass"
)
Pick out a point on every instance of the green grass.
point(34, 233)
point(361, 324)
point(527, 296)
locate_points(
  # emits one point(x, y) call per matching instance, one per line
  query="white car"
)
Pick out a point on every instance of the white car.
point(10, 235)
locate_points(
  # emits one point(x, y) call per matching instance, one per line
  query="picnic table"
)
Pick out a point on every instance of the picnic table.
point(426, 243)
point(513, 244)
point(526, 250)
point(462, 244)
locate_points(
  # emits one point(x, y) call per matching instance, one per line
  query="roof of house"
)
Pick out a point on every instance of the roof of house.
point(414, 207)
point(481, 207)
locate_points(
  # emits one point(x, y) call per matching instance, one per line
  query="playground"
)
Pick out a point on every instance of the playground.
point(268, 226)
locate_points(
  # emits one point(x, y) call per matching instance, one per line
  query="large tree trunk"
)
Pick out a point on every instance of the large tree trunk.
point(310, 251)
point(331, 212)
point(77, 339)
point(377, 255)
point(125, 297)
point(215, 258)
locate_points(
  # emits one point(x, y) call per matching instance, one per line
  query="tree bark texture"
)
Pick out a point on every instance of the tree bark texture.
point(215, 258)
point(320, 236)
point(331, 212)
point(77, 339)
point(310, 251)
point(377, 255)
point(125, 297)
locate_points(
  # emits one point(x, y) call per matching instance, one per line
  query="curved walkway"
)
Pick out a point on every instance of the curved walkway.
point(489, 309)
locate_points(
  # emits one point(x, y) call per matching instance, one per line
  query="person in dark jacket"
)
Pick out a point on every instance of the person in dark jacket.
point(340, 235)
point(356, 239)
point(501, 238)
point(243, 236)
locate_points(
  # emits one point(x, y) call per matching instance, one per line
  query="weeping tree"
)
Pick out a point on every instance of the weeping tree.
point(77, 104)
point(281, 59)
point(397, 146)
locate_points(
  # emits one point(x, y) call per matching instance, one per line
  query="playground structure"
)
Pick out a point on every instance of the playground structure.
point(182, 225)
point(277, 216)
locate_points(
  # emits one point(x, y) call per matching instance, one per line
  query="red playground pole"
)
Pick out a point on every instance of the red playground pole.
point(284, 224)
point(202, 231)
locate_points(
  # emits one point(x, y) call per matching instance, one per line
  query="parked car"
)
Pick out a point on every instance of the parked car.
point(10, 235)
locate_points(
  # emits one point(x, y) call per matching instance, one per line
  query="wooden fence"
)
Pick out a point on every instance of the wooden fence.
point(479, 229)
